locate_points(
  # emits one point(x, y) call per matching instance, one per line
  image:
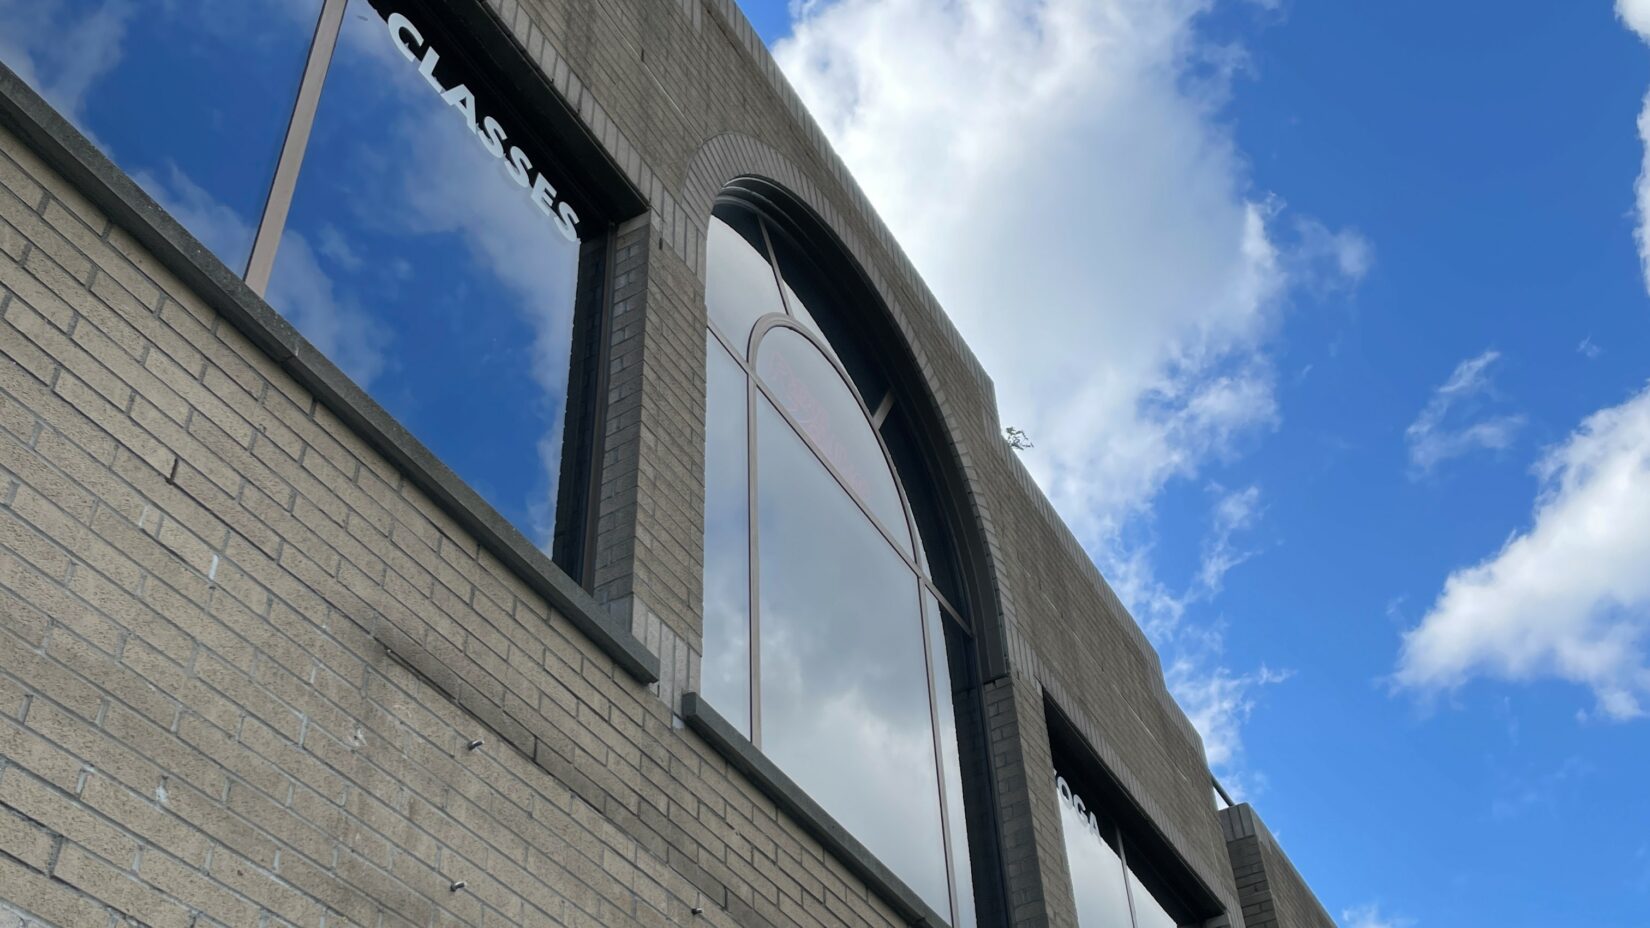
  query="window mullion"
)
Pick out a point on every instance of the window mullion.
point(934, 697)
point(1128, 884)
point(753, 566)
point(261, 263)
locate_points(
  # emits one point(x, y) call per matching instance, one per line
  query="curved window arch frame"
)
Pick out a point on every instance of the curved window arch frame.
point(956, 604)
point(829, 265)
point(886, 348)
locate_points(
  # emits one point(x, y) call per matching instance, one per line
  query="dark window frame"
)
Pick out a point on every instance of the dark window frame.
point(1145, 849)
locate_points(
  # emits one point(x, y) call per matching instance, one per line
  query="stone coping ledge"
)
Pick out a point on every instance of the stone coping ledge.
point(766, 776)
point(66, 150)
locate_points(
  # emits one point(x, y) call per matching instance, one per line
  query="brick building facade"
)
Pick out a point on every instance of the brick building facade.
point(266, 660)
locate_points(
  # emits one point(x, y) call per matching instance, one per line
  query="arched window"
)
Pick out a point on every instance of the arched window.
point(834, 635)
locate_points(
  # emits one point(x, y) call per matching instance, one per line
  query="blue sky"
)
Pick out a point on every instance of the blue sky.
point(1380, 261)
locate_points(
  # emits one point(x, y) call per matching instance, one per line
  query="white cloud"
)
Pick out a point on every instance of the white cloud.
point(1369, 916)
point(1328, 259)
point(338, 326)
point(302, 291)
point(1234, 512)
point(1053, 160)
point(1451, 424)
point(1519, 795)
point(1219, 702)
point(1061, 176)
point(1635, 15)
point(1569, 598)
point(61, 55)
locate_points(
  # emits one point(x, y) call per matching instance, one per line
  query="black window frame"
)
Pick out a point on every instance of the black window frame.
point(1146, 851)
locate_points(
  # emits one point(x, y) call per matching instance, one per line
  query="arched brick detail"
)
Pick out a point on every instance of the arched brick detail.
point(730, 156)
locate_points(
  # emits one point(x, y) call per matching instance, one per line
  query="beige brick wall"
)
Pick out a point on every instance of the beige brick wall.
point(200, 722)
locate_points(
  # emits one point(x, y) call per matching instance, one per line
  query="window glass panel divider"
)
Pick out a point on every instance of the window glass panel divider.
point(757, 386)
point(935, 614)
point(947, 609)
point(260, 264)
point(1128, 884)
point(934, 697)
point(773, 322)
point(836, 475)
point(760, 386)
point(883, 409)
point(773, 265)
point(758, 333)
point(755, 553)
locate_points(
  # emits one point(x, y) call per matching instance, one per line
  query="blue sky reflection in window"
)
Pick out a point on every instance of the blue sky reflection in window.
point(416, 262)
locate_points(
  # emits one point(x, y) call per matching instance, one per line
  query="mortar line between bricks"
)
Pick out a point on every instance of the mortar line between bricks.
point(230, 778)
point(413, 671)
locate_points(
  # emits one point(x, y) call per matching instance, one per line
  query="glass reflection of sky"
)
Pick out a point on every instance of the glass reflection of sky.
point(725, 676)
point(1103, 887)
point(1148, 912)
point(845, 702)
point(739, 285)
point(951, 768)
point(189, 97)
point(816, 396)
point(846, 705)
point(414, 262)
point(1097, 881)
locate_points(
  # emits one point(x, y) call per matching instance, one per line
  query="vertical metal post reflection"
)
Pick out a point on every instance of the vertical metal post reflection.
point(261, 263)
point(754, 565)
point(934, 709)
point(1128, 884)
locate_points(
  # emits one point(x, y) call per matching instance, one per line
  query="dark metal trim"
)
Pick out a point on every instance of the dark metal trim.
point(766, 776)
point(1190, 899)
point(86, 168)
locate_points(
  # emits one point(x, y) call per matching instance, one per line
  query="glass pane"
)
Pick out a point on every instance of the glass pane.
point(1148, 912)
point(725, 678)
point(934, 551)
point(421, 266)
point(950, 762)
point(739, 284)
point(826, 310)
point(1097, 882)
point(824, 405)
point(845, 700)
point(189, 97)
point(799, 309)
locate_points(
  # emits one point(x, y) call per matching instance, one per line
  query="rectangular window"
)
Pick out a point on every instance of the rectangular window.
point(1094, 855)
point(1113, 882)
point(429, 255)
